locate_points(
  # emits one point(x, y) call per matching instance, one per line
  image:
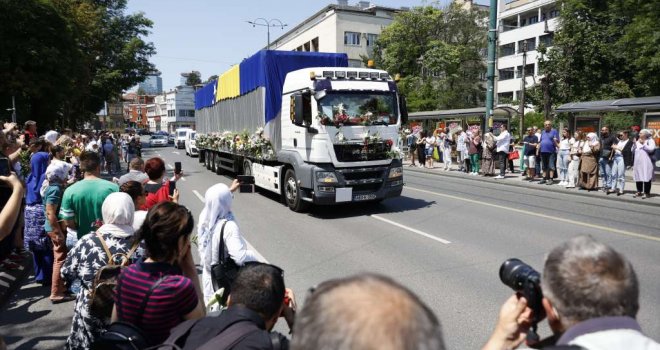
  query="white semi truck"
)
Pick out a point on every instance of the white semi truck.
point(306, 127)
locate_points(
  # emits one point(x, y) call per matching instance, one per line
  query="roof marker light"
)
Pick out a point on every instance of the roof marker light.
point(340, 74)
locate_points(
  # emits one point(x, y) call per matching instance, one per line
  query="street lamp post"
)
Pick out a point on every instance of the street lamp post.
point(13, 109)
point(521, 112)
point(262, 22)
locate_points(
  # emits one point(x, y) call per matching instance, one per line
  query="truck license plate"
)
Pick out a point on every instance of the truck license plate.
point(364, 197)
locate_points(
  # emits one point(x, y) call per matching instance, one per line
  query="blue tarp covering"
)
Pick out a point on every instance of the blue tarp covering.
point(205, 97)
point(269, 68)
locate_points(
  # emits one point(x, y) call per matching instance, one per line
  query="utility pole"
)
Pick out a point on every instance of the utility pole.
point(492, 43)
point(262, 22)
point(521, 112)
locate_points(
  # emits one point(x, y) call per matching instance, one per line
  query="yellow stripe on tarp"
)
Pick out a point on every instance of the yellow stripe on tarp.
point(229, 84)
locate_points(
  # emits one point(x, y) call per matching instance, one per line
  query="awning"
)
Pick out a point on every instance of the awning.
point(623, 105)
point(498, 112)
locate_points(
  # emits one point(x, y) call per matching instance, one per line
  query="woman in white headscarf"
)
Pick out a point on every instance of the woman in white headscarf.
point(216, 220)
point(589, 163)
point(89, 254)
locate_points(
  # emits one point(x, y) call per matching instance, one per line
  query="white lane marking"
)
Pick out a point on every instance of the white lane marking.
point(443, 241)
point(183, 178)
point(170, 166)
point(199, 196)
point(4, 284)
point(7, 276)
point(175, 152)
point(250, 246)
point(569, 221)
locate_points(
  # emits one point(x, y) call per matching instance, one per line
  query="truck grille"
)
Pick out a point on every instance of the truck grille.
point(364, 179)
point(357, 152)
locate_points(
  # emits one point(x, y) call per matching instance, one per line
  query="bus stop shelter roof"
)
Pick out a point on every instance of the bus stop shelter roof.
point(466, 112)
point(624, 104)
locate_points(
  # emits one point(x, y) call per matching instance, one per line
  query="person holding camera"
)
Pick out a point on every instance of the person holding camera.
point(590, 295)
point(217, 225)
point(257, 301)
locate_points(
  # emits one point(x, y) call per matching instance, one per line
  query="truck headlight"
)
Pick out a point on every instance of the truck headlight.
point(396, 172)
point(326, 177)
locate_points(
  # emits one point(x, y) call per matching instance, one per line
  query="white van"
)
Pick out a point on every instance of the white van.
point(191, 147)
point(181, 137)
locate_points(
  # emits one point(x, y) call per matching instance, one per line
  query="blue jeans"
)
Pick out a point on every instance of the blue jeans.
point(564, 159)
point(618, 173)
point(605, 170)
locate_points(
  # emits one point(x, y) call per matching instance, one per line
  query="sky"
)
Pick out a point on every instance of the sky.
point(210, 36)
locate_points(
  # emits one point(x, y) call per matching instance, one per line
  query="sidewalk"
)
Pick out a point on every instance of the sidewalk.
point(516, 180)
point(12, 280)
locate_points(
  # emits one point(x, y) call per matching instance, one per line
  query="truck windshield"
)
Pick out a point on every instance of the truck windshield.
point(357, 108)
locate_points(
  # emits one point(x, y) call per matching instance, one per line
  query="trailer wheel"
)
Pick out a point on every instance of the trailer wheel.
point(207, 159)
point(247, 167)
point(218, 168)
point(292, 192)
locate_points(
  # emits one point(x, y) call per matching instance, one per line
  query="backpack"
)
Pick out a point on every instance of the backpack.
point(127, 336)
point(101, 299)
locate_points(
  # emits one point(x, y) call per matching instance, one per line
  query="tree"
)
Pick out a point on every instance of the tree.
point(65, 58)
point(439, 54)
point(603, 50)
point(211, 78)
point(193, 78)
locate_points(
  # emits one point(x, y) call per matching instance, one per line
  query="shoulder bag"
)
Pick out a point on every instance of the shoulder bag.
point(225, 271)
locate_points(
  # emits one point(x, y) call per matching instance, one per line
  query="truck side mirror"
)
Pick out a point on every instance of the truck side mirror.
point(404, 109)
point(301, 109)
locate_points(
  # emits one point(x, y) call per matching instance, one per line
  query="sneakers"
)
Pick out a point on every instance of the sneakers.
point(562, 183)
point(542, 182)
point(498, 177)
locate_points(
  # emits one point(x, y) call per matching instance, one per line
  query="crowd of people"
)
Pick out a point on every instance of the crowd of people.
point(86, 233)
point(586, 161)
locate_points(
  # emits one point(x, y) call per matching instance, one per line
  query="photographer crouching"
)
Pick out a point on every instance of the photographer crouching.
point(590, 297)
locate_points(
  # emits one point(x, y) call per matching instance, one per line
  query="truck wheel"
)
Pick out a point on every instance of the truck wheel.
point(292, 192)
point(218, 169)
point(247, 167)
point(207, 159)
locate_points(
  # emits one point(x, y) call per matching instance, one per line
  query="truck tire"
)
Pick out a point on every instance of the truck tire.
point(247, 167)
point(207, 159)
point(292, 192)
point(217, 168)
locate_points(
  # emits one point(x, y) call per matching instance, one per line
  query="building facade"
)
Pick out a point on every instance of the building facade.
point(135, 110)
point(522, 23)
point(340, 28)
point(172, 110)
point(152, 84)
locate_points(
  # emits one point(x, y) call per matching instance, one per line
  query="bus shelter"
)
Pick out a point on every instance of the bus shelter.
point(587, 116)
point(467, 119)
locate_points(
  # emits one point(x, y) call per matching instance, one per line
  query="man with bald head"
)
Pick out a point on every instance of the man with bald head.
point(365, 312)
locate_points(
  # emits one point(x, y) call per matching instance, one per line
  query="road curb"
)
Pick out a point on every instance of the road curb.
point(516, 182)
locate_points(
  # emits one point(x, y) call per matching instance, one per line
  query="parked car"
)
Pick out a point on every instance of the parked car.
point(158, 140)
point(171, 138)
point(142, 132)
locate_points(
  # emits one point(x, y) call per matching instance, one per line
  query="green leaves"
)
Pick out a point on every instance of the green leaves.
point(438, 53)
point(62, 59)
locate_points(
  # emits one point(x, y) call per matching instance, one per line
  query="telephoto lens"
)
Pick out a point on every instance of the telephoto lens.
point(523, 279)
point(515, 274)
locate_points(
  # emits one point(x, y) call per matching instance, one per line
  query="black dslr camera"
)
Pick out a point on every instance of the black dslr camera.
point(523, 279)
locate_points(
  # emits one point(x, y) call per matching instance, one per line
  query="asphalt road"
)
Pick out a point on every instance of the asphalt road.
point(444, 238)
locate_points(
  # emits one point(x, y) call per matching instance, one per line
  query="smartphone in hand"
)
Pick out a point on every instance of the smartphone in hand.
point(177, 167)
point(5, 167)
point(246, 183)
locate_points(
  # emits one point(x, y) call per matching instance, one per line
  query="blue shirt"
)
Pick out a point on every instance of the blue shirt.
point(530, 150)
point(547, 140)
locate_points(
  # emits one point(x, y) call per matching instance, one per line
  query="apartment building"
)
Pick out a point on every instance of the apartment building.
point(522, 22)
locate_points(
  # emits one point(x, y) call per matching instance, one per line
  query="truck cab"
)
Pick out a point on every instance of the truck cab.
point(339, 135)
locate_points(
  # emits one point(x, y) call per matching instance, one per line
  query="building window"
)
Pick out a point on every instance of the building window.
point(531, 45)
point(371, 39)
point(315, 44)
point(533, 19)
point(506, 74)
point(529, 71)
point(547, 40)
point(505, 97)
point(352, 38)
point(508, 49)
point(553, 13)
point(354, 63)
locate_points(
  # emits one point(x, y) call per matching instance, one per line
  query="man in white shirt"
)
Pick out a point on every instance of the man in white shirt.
point(503, 140)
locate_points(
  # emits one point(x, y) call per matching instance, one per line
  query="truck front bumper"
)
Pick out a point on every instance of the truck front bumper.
point(358, 185)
